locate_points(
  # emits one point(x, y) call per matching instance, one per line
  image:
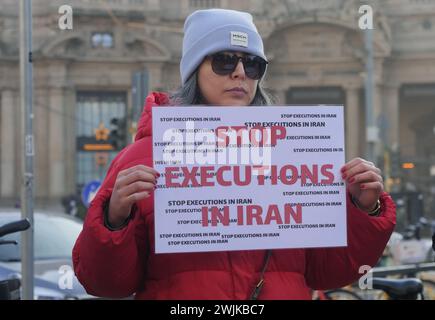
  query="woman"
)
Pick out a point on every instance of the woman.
point(222, 64)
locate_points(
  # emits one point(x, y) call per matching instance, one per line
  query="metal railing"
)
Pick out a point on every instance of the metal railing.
point(403, 269)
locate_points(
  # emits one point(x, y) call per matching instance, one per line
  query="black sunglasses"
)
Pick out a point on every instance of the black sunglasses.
point(225, 63)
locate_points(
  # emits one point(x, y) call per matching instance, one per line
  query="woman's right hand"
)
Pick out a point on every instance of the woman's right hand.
point(131, 185)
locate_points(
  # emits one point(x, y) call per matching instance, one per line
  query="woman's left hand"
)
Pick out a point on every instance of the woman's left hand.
point(364, 182)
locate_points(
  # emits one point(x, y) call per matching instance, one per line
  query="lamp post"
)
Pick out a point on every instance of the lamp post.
point(27, 251)
point(371, 128)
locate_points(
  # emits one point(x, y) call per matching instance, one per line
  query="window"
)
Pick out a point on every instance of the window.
point(204, 3)
point(94, 109)
point(102, 40)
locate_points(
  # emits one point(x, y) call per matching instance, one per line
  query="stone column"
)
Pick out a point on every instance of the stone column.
point(56, 142)
point(70, 140)
point(8, 163)
point(378, 115)
point(42, 151)
point(391, 109)
point(152, 11)
point(352, 123)
point(155, 75)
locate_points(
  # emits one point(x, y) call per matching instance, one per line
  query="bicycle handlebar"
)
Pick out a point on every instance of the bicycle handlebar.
point(15, 226)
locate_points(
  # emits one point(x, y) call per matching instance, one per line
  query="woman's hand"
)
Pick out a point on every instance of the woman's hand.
point(364, 182)
point(131, 185)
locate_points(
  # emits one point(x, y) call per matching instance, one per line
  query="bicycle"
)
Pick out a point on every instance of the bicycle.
point(412, 283)
point(392, 289)
point(10, 288)
point(412, 248)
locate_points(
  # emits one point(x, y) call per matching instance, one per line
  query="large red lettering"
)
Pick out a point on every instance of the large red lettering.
point(253, 137)
point(248, 174)
point(254, 212)
point(273, 214)
point(289, 212)
point(278, 132)
point(189, 175)
point(220, 176)
point(329, 175)
point(206, 173)
point(293, 172)
point(306, 173)
point(170, 176)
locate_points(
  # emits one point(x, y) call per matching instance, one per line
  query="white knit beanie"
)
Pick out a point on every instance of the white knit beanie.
point(213, 30)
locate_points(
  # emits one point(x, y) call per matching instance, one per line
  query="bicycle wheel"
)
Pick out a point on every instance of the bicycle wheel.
point(342, 294)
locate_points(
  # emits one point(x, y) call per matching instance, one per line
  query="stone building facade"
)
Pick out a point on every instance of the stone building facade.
point(83, 77)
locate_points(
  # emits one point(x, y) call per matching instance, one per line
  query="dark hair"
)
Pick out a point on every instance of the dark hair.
point(190, 94)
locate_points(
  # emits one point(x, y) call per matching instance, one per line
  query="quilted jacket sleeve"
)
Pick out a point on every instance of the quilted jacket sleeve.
point(107, 263)
point(328, 268)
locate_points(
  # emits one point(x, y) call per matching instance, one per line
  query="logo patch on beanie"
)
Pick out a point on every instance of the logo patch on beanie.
point(239, 39)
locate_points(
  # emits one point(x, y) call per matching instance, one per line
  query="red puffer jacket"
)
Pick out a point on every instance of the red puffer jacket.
point(120, 263)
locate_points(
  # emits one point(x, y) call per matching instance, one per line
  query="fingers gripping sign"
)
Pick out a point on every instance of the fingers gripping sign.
point(364, 182)
point(131, 185)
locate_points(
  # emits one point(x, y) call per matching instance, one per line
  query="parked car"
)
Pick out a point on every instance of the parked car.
point(54, 237)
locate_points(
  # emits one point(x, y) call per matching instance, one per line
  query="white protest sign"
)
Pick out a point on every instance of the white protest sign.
point(238, 178)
